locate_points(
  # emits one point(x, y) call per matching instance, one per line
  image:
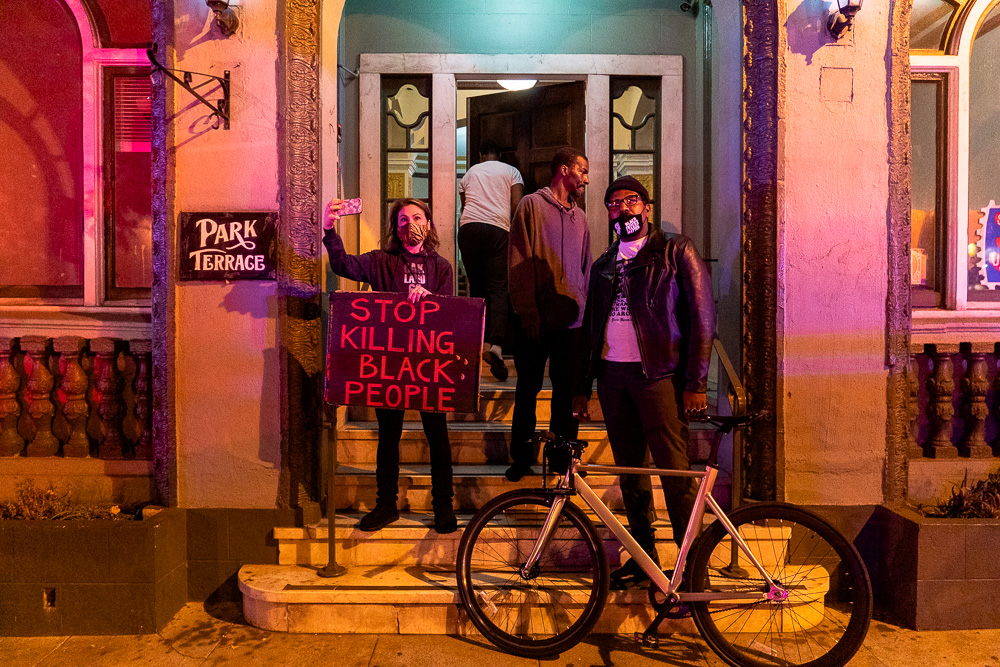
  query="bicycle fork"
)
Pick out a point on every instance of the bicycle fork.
point(544, 537)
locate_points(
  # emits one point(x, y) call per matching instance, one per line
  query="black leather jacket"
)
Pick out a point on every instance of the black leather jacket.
point(669, 294)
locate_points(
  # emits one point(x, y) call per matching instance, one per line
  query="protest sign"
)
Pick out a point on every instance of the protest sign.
point(385, 352)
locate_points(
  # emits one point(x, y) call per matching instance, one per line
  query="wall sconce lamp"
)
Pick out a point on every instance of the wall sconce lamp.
point(842, 19)
point(225, 18)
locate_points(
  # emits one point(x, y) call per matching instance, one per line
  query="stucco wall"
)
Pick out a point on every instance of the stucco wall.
point(227, 405)
point(832, 257)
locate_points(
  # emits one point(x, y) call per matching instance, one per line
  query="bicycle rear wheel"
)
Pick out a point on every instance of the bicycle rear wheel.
point(825, 617)
point(555, 606)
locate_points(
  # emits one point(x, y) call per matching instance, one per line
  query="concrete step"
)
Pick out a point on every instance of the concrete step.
point(412, 541)
point(397, 599)
point(474, 485)
point(475, 443)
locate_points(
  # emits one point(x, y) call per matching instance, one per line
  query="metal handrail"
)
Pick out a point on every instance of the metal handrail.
point(738, 402)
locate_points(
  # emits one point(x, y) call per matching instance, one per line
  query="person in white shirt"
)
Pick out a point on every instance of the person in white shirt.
point(490, 192)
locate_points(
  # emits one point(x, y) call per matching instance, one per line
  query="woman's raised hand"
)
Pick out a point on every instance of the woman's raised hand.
point(332, 213)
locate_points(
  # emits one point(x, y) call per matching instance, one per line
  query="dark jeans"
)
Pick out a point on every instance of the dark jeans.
point(390, 429)
point(555, 346)
point(640, 413)
point(484, 254)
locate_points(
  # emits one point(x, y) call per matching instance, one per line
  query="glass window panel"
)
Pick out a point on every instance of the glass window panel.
point(127, 168)
point(984, 156)
point(41, 173)
point(926, 210)
point(639, 165)
point(408, 175)
point(929, 21)
point(406, 118)
point(634, 126)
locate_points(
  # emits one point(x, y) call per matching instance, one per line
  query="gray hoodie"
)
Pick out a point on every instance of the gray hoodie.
point(549, 261)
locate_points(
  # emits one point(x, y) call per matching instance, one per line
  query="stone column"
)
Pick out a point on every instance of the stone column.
point(107, 397)
point(11, 443)
point(941, 384)
point(974, 387)
point(143, 387)
point(41, 409)
point(73, 394)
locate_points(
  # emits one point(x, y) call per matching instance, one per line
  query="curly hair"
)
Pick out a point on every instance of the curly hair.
point(390, 236)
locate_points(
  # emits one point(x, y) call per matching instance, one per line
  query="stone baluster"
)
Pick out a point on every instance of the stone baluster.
point(73, 394)
point(108, 398)
point(941, 410)
point(914, 450)
point(41, 409)
point(142, 350)
point(974, 387)
point(11, 443)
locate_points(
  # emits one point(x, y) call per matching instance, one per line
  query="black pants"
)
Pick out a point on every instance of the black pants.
point(640, 413)
point(390, 429)
point(484, 254)
point(555, 346)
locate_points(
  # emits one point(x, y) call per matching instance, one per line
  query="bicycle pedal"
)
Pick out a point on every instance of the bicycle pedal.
point(646, 640)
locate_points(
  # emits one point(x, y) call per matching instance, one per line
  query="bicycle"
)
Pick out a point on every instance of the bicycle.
point(769, 584)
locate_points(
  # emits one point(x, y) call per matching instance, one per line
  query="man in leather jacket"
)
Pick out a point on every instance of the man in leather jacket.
point(648, 331)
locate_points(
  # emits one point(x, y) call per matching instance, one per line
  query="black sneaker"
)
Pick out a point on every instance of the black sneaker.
point(445, 521)
point(629, 575)
point(517, 471)
point(378, 518)
point(497, 366)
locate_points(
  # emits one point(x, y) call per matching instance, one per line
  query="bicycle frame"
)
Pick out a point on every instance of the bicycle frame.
point(572, 482)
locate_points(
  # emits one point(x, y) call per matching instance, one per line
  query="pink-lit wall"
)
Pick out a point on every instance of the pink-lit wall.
point(832, 210)
point(226, 371)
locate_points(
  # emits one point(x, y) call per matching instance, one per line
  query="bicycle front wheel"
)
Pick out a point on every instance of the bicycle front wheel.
point(557, 603)
point(825, 617)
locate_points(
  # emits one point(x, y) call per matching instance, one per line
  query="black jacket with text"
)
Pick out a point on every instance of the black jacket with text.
point(669, 294)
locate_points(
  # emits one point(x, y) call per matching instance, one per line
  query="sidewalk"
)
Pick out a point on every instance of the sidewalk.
point(207, 635)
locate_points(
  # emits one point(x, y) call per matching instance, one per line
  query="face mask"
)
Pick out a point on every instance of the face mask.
point(413, 235)
point(627, 224)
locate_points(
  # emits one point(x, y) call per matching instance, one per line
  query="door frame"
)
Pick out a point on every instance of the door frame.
point(448, 68)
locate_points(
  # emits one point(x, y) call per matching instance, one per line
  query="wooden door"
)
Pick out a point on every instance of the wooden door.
point(529, 126)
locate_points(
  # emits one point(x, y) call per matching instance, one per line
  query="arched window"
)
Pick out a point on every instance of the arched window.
point(75, 136)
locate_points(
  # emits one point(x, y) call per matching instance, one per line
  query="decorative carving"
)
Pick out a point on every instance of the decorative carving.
point(974, 387)
point(107, 397)
point(73, 394)
point(143, 386)
point(41, 409)
point(941, 385)
point(899, 425)
point(11, 443)
point(299, 265)
point(759, 239)
point(162, 173)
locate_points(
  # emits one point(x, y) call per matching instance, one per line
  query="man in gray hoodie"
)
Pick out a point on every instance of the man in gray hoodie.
point(549, 269)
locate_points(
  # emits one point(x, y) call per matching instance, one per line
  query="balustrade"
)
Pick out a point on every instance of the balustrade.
point(75, 398)
point(954, 404)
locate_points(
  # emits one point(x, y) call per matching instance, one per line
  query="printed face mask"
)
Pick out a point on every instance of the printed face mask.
point(627, 224)
point(412, 234)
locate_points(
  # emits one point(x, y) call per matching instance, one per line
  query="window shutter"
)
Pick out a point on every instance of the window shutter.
point(132, 114)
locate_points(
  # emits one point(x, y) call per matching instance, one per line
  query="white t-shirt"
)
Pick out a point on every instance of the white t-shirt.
point(487, 193)
point(620, 342)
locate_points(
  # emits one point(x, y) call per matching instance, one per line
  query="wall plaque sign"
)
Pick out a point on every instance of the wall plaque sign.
point(228, 246)
point(385, 352)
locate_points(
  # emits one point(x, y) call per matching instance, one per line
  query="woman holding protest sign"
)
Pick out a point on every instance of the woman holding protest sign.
point(406, 262)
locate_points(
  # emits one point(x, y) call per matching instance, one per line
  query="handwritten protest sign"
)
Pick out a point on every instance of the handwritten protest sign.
point(385, 352)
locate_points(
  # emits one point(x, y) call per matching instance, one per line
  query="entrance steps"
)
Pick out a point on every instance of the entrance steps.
point(400, 579)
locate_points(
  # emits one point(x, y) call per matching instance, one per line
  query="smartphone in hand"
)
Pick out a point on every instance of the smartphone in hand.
point(350, 207)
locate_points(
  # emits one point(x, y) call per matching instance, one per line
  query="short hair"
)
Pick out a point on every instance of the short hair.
point(566, 155)
point(390, 238)
point(489, 147)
